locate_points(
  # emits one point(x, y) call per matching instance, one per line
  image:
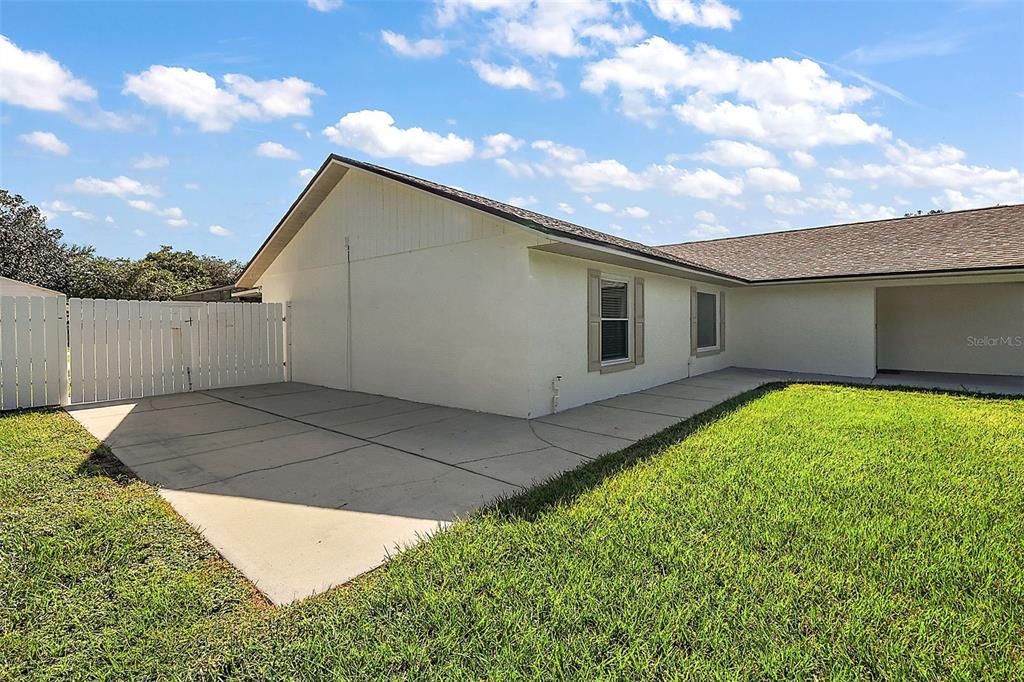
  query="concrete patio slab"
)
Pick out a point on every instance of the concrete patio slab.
point(658, 404)
point(299, 403)
point(374, 428)
point(149, 426)
point(466, 437)
point(578, 442)
point(610, 421)
point(145, 453)
point(361, 413)
point(692, 392)
point(527, 468)
point(242, 393)
point(225, 463)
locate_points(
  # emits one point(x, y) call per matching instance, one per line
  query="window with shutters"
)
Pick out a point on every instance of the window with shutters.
point(708, 312)
point(615, 321)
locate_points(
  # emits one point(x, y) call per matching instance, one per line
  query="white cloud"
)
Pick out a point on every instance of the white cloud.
point(772, 180)
point(110, 220)
point(614, 35)
point(600, 175)
point(803, 159)
point(705, 216)
point(832, 200)
point(512, 77)
point(603, 207)
point(276, 150)
point(177, 222)
point(500, 144)
point(799, 125)
point(517, 169)
point(782, 101)
point(705, 231)
point(559, 152)
point(424, 48)
point(740, 154)
point(37, 81)
point(173, 213)
point(544, 29)
point(48, 142)
point(120, 186)
point(139, 233)
point(699, 184)
point(611, 174)
point(705, 14)
point(197, 97)
point(192, 186)
point(148, 162)
point(955, 200)
point(940, 167)
point(306, 173)
point(522, 202)
point(57, 206)
point(635, 212)
point(325, 5)
point(375, 133)
point(566, 208)
point(219, 231)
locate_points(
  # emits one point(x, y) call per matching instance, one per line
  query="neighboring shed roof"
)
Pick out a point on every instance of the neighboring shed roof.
point(984, 238)
point(978, 239)
point(14, 287)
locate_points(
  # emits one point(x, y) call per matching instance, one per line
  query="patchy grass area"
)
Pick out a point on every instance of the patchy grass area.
point(817, 531)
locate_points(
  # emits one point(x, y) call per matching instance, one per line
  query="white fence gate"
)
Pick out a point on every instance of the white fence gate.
point(113, 350)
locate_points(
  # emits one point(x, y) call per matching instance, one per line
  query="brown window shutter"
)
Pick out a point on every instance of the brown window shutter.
point(593, 320)
point(721, 321)
point(693, 321)
point(638, 320)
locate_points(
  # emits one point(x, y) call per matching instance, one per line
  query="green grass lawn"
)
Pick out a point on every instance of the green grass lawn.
point(814, 531)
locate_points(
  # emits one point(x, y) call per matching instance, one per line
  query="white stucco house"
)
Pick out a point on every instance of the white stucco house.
point(403, 287)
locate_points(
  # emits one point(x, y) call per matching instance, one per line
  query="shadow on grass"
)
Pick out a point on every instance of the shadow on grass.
point(567, 487)
point(102, 462)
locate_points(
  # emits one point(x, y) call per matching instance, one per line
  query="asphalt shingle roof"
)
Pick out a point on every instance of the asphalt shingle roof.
point(986, 238)
point(960, 240)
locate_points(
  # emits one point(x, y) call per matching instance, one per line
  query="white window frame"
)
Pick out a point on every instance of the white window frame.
point(718, 321)
point(630, 350)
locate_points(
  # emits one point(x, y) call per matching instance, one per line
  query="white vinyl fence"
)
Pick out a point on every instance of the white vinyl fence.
point(114, 350)
point(33, 351)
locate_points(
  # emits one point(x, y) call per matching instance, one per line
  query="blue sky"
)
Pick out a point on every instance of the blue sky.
point(194, 124)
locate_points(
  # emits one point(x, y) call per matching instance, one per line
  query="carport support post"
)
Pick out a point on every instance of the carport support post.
point(288, 336)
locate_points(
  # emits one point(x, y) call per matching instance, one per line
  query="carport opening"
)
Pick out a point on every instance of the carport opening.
point(955, 328)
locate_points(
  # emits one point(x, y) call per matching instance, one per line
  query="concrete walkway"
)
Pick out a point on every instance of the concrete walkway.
point(303, 488)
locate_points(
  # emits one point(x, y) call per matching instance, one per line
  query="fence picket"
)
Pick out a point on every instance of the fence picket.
point(8, 353)
point(37, 332)
point(51, 326)
point(75, 351)
point(135, 336)
point(24, 352)
point(124, 350)
point(113, 357)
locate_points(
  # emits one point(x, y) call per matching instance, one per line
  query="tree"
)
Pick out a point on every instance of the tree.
point(34, 253)
point(29, 250)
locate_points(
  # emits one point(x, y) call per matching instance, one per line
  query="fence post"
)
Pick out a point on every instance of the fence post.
point(63, 349)
point(288, 337)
